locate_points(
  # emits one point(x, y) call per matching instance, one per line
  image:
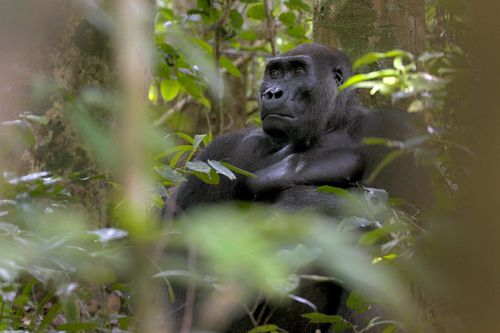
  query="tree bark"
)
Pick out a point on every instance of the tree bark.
point(69, 43)
point(366, 25)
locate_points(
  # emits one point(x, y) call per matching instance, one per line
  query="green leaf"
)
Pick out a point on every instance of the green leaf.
point(390, 328)
point(221, 169)
point(416, 106)
point(375, 141)
point(426, 56)
point(296, 31)
point(49, 317)
point(288, 18)
point(398, 63)
point(357, 303)
point(207, 48)
point(174, 273)
point(199, 166)
point(237, 170)
point(368, 76)
point(198, 139)
point(264, 329)
point(193, 88)
point(229, 66)
point(354, 223)
point(42, 120)
point(298, 5)
point(211, 178)
point(372, 237)
point(153, 93)
point(169, 89)
point(185, 136)
point(385, 162)
point(172, 150)
point(301, 255)
point(175, 159)
point(339, 324)
point(334, 190)
point(248, 35)
point(236, 19)
point(372, 57)
point(256, 11)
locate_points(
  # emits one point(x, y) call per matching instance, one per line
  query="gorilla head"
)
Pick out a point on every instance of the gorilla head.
point(298, 95)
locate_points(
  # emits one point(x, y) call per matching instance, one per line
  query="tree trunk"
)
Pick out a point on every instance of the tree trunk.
point(70, 45)
point(367, 25)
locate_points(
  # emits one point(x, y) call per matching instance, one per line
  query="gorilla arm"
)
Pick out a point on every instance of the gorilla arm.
point(339, 167)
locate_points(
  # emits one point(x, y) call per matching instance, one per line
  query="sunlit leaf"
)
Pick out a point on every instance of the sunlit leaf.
point(372, 57)
point(416, 106)
point(369, 76)
point(185, 137)
point(169, 89)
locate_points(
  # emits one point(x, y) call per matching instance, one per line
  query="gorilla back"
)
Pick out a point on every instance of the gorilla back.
point(311, 135)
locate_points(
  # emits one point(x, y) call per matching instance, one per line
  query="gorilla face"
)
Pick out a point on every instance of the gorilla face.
point(285, 94)
point(297, 95)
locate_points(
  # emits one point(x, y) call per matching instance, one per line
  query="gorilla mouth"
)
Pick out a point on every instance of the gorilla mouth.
point(280, 115)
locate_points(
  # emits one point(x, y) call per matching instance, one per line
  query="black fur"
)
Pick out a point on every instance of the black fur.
point(311, 136)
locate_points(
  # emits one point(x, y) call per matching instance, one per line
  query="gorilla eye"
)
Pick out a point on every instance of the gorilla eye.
point(299, 70)
point(274, 73)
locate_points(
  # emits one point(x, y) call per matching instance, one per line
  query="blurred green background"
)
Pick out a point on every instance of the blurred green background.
point(104, 105)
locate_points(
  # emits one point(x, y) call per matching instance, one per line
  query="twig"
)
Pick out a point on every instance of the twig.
point(219, 27)
point(176, 108)
point(271, 26)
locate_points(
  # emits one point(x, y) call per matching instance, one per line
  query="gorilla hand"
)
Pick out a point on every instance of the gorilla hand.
point(336, 168)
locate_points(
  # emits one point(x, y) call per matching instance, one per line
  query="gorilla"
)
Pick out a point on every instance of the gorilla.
point(311, 135)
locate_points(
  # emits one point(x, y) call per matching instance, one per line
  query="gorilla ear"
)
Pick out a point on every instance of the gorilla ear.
point(339, 76)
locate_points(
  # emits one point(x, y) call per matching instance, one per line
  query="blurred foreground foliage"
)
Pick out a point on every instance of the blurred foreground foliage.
point(62, 271)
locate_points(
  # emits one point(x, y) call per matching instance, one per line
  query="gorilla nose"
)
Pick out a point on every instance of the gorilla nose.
point(272, 97)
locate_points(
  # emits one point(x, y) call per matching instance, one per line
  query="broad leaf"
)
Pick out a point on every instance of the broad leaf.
point(221, 169)
point(256, 11)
